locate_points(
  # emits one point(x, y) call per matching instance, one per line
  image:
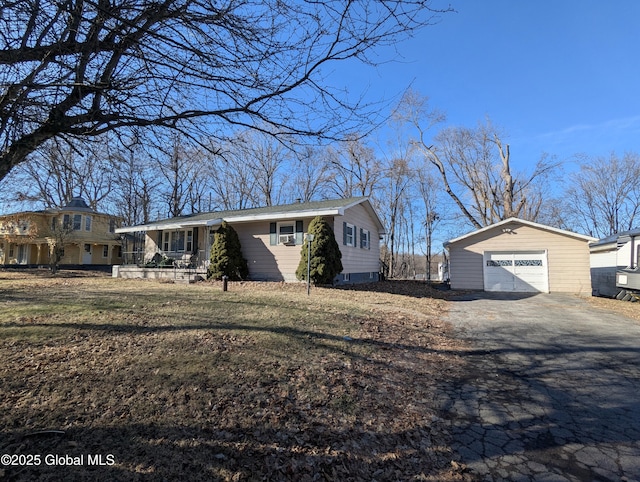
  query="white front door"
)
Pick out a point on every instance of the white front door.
point(87, 254)
point(516, 271)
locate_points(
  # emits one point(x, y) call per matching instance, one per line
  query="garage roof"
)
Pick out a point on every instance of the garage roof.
point(523, 222)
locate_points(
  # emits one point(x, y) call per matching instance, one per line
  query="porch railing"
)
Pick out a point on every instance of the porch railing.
point(166, 259)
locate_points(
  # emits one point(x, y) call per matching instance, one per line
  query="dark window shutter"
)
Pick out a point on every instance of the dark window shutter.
point(361, 246)
point(355, 240)
point(299, 232)
point(195, 240)
point(273, 234)
point(344, 233)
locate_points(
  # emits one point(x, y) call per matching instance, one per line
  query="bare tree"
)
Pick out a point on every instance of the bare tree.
point(604, 195)
point(428, 189)
point(393, 203)
point(80, 68)
point(60, 235)
point(135, 184)
point(231, 182)
point(265, 158)
point(475, 166)
point(356, 169)
point(180, 167)
point(58, 172)
point(312, 174)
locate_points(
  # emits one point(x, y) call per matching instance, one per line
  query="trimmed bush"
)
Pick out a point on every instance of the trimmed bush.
point(226, 255)
point(326, 258)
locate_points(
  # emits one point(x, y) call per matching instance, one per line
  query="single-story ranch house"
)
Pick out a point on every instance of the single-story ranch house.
point(271, 239)
point(520, 256)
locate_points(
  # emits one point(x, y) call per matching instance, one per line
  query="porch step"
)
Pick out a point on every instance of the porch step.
point(184, 281)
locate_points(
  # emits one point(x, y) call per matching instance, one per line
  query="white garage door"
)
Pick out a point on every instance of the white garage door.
point(518, 271)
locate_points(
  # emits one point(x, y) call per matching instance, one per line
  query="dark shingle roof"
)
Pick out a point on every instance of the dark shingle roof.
point(280, 209)
point(77, 204)
point(285, 211)
point(615, 237)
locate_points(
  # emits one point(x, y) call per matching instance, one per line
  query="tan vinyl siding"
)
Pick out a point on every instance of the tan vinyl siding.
point(465, 268)
point(569, 266)
point(279, 262)
point(354, 258)
point(266, 262)
point(568, 257)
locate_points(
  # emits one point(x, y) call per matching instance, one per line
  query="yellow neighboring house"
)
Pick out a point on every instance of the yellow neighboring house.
point(86, 236)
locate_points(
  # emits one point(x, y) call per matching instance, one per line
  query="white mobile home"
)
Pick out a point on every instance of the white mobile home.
point(614, 264)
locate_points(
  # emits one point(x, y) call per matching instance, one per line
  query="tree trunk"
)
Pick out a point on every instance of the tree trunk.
point(507, 194)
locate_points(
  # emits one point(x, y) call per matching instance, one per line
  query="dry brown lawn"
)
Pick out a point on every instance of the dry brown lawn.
point(187, 382)
point(625, 308)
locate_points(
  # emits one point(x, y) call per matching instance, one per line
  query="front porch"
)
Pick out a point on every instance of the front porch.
point(163, 265)
point(166, 259)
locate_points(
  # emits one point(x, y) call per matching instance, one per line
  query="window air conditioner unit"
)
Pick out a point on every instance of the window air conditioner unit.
point(288, 239)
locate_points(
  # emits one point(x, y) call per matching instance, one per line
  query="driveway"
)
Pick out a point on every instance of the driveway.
point(552, 391)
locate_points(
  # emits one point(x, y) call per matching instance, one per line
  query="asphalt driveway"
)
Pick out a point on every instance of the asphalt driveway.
point(552, 391)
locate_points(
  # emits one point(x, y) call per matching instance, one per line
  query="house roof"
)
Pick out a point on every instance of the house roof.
point(77, 204)
point(330, 207)
point(526, 223)
point(614, 238)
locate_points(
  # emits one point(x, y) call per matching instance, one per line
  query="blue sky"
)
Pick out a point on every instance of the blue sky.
point(560, 76)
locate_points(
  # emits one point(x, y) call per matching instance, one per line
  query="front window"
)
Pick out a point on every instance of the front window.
point(66, 221)
point(87, 223)
point(177, 241)
point(112, 225)
point(105, 251)
point(286, 233)
point(77, 222)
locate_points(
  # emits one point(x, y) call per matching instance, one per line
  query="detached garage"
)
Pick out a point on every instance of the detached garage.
point(516, 255)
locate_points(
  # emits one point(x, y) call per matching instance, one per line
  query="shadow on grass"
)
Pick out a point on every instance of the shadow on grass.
point(354, 347)
point(19, 272)
point(413, 288)
point(299, 451)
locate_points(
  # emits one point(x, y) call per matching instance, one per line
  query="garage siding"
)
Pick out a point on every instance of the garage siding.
point(568, 257)
point(465, 268)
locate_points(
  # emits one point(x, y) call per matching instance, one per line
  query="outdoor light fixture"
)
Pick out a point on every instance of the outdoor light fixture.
point(507, 230)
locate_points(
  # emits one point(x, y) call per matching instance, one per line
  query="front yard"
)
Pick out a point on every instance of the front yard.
point(169, 382)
